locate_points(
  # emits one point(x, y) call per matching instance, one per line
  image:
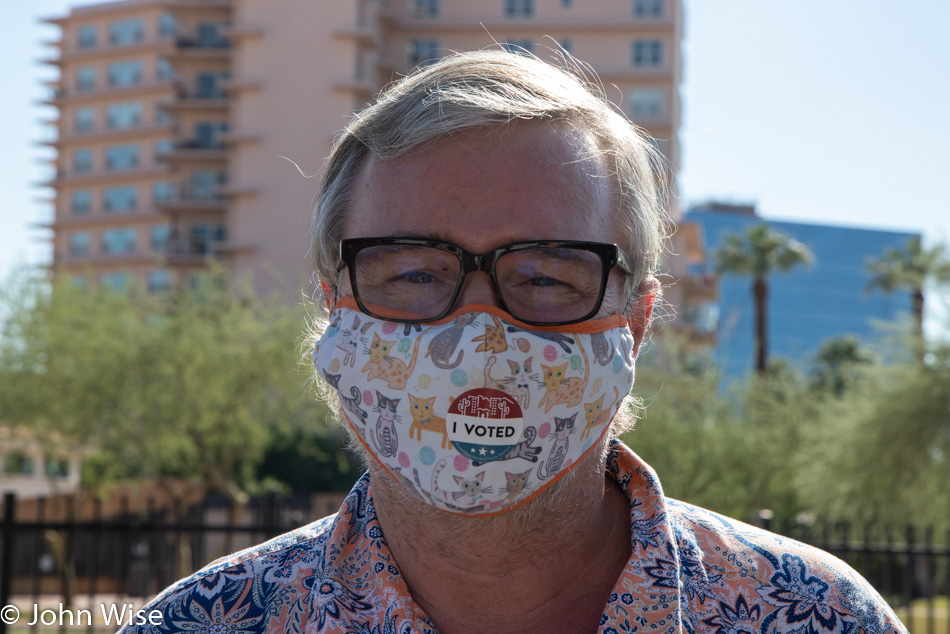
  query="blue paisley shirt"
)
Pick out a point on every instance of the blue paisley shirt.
point(690, 570)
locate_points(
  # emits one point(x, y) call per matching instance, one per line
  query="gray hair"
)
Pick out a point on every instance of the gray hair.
point(465, 91)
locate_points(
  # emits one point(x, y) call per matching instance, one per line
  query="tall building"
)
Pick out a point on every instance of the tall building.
point(186, 127)
point(807, 305)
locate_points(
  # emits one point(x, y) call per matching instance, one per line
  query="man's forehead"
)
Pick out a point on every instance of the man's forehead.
point(485, 187)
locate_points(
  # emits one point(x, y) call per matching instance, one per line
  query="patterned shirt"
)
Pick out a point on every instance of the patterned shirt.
point(690, 570)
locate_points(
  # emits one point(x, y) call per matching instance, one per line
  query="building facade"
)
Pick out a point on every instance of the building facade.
point(807, 305)
point(186, 129)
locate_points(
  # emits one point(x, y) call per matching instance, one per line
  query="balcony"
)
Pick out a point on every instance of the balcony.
point(184, 41)
point(161, 46)
point(108, 134)
point(100, 176)
point(60, 96)
point(195, 150)
point(193, 250)
point(187, 198)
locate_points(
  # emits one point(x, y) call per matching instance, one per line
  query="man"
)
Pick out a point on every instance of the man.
point(487, 235)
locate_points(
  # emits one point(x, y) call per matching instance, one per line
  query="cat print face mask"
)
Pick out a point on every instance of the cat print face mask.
point(477, 413)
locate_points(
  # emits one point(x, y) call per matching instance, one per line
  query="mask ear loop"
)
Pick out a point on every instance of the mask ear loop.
point(329, 296)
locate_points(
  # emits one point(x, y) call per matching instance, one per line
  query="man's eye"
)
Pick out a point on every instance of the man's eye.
point(417, 277)
point(543, 280)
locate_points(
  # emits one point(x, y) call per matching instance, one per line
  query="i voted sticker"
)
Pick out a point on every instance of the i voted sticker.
point(484, 424)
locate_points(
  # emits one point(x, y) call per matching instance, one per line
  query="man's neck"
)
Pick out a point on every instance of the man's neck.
point(549, 565)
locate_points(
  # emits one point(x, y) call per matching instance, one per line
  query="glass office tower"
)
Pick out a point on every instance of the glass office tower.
point(809, 304)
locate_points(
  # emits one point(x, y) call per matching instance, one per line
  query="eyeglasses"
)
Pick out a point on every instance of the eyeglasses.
point(539, 282)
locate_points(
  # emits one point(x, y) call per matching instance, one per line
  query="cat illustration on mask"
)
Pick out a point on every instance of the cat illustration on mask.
point(563, 428)
point(522, 450)
point(560, 390)
point(349, 340)
point(493, 339)
point(516, 384)
point(350, 403)
point(382, 365)
point(554, 337)
point(424, 419)
point(472, 490)
point(516, 484)
point(602, 350)
point(384, 436)
point(444, 344)
point(414, 485)
point(455, 495)
point(596, 414)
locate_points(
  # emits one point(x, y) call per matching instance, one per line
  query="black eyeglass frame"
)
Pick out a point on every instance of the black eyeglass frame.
point(609, 254)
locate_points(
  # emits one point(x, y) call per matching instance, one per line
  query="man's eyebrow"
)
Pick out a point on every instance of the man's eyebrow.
point(422, 235)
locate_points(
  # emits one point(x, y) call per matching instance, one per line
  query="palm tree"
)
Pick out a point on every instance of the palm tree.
point(908, 269)
point(760, 252)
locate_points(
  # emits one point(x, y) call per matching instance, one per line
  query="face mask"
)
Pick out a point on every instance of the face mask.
point(478, 413)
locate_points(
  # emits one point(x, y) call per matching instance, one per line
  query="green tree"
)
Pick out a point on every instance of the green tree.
point(732, 452)
point(839, 364)
point(881, 453)
point(910, 269)
point(759, 253)
point(191, 386)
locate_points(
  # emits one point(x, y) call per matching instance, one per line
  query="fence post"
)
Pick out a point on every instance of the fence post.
point(6, 570)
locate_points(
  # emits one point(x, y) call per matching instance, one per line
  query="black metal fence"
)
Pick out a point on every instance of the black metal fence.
point(89, 557)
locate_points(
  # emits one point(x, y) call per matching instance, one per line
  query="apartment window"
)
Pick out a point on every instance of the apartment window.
point(566, 3)
point(126, 31)
point(122, 157)
point(203, 237)
point(647, 53)
point(162, 115)
point(119, 199)
point(79, 281)
point(159, 280)
point(525, 47)
point(87, 36)
point(85, 78)
point(566, 44)
point(519, 8)
point(84, 119)
point(645, 103)
point(424, 52)
point(126, 73)
point(209, 35)
point(425, 8)
point(81, 202)
point(167, 25)
point(204, 184)
point(56, 467)
point(124, 115)
point(163, 192)
point(115, 241)
point(208, 85)
point(18, 463)
point(208, 133)
point(82, 161)
point(648, 8)
point(160, 236)
point(162, 146)
point(115, 281)
point(79, 244)
point(164, 69)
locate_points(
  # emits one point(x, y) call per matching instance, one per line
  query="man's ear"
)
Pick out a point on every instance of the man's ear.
point(640, 310)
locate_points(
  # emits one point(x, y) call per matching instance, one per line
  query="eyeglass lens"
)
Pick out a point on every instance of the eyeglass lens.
point(543, 285)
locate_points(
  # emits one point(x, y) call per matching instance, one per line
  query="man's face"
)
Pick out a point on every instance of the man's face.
point(483, 189)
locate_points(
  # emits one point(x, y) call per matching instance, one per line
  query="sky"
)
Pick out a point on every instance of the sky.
point(835, 112)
